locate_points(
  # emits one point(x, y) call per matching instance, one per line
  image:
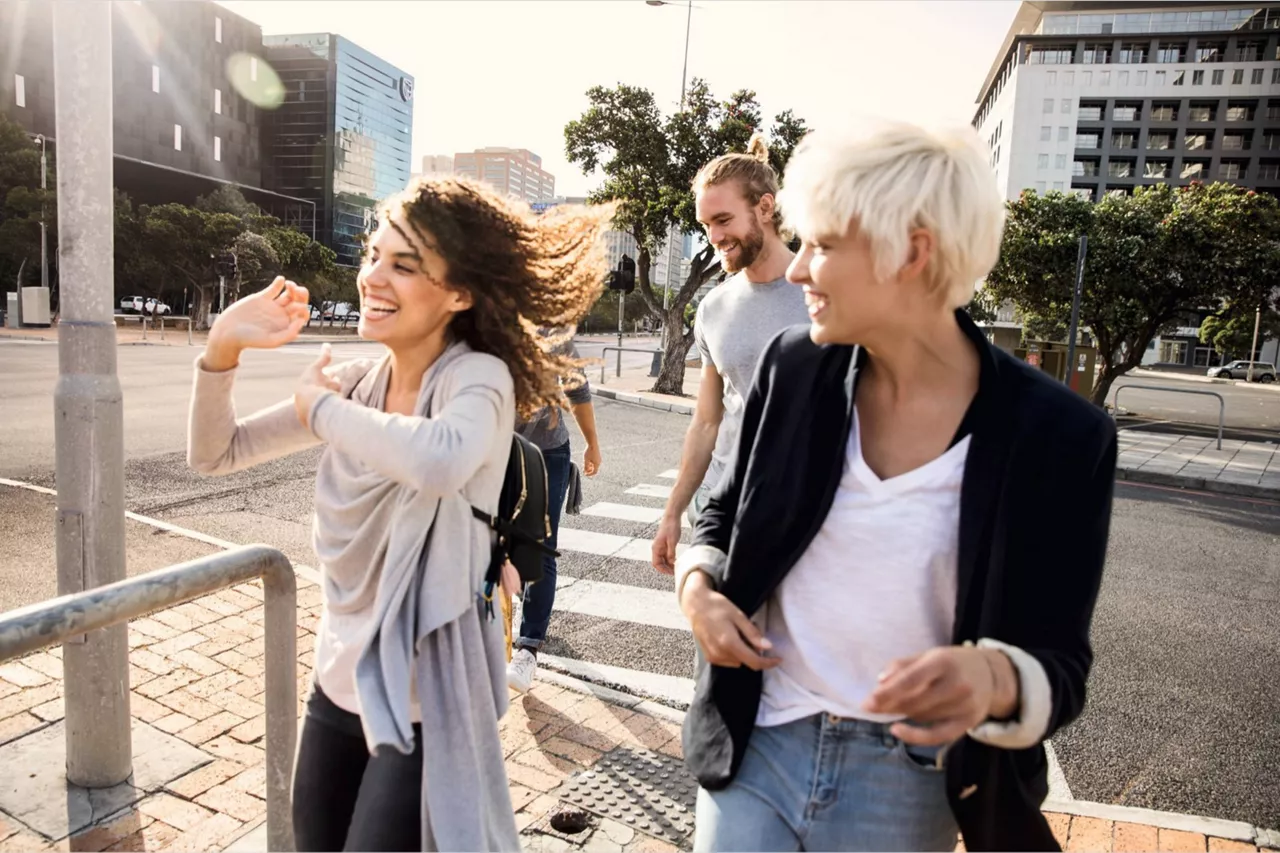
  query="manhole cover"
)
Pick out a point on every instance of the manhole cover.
point(647, 791)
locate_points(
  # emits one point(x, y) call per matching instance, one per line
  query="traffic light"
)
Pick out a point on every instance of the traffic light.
point(226, 265)
point(624, 277)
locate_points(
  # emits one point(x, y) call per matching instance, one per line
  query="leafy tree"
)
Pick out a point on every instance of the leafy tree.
point(188, 242)
point(1153, 257)
point(1231, 332)
point(649, 162)
point(256, 262)
point(21, 201)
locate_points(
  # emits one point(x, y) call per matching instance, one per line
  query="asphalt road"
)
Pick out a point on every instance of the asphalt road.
point(1181, 712)
point(1250, 407)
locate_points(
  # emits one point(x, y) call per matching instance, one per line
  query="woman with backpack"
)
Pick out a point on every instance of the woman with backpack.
point(399, 747)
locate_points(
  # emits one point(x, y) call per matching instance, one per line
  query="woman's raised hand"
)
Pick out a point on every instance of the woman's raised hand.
point(270, 318)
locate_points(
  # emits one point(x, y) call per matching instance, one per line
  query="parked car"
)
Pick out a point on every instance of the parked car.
point(144, 305)
point(1239, 369)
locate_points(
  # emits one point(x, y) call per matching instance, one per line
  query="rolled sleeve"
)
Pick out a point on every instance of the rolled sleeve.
point(1035, 703)
point(700, 558)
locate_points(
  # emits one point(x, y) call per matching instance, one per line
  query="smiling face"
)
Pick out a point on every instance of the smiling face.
point(404, 294)
point(734, 226)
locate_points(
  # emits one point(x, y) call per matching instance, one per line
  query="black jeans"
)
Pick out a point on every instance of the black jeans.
point(346, 799)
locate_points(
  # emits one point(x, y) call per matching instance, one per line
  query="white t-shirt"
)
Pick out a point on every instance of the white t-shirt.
point(877, 583)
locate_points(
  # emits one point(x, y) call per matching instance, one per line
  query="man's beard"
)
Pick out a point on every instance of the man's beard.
point(749, 249)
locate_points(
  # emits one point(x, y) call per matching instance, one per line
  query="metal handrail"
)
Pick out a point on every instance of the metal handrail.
point(46, 623)
point(1222, 404)
point(620, 351)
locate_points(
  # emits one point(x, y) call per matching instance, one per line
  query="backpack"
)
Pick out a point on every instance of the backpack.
point(523, 522)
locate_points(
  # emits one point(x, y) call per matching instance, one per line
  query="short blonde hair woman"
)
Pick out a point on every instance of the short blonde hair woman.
point(894, 624)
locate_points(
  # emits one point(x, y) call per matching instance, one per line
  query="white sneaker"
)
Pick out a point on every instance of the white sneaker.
point(521, 669)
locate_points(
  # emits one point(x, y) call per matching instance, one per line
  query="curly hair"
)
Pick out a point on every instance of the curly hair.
point(525, 274)
point(751, 170)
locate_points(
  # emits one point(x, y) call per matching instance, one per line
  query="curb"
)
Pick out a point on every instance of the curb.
point(641, 399)
point(1196, 484)
point(1208, 380)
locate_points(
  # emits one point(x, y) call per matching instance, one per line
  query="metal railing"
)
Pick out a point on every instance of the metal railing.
point(47, 623)
point(1222, 404)
point(653, 368)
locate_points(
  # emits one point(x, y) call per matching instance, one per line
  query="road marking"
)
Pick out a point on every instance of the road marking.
point(628, 512)
point(669, 688)
point(607, 544)
point(648, 490)
point(1058, 788)
point(618, 602)
point(669, 474)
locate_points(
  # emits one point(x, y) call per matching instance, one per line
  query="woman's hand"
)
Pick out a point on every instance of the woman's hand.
point(724, 633)
point(267, 319)
point(952, 689)
point(314, 382)
point(591, 460)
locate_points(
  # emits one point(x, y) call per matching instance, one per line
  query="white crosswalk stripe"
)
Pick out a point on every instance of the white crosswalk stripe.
point(648, 490)
point(627, 512)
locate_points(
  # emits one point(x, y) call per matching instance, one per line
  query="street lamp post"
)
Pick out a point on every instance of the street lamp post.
point(684, 74)
point(44, 229)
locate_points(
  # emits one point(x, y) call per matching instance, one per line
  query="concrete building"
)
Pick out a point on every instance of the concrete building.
point(342, 136)
point(185, 76)
point(1100, 97)
point(437, 164)
point(514, 171)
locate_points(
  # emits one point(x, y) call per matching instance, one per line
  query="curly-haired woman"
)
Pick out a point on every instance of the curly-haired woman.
point(399, 747)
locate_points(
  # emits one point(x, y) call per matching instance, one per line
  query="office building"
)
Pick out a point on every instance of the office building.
point(342, 135)
point(437, 164)
point(182, 124)
point(1102, 97)
point(514, 171)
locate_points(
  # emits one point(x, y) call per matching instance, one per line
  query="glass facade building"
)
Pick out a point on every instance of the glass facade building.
point(343, 135)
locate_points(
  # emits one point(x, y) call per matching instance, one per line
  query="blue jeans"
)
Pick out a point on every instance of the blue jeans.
point(826, 783)
point(538, 598)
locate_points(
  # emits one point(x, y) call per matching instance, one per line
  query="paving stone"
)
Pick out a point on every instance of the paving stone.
point(1061, 825)
point(227, 800)
point(18, 725)
point(175, 811)
point(198, 781)
point(206, 730)
point(155, 836)
point(210, 834)
point(21, 675)
point(1226, 845)
point(111, 832)
point(1089, 834)
point(1177, 841)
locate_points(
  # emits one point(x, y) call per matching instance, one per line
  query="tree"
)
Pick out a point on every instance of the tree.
point(1153, 258)
point(649, 162)
point(188, 242)
point(21, 202)
point(1231, 332)
point(256, 262)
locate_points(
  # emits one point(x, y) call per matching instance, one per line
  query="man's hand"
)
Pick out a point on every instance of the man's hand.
point(952, 689)
point(664, 544)
point(724, 633)
point(591, 460)
point(313, 382)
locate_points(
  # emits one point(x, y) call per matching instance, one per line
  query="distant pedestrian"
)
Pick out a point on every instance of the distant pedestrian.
point(736, 201)
point(894, 583)
point(399, 747)
point(549, 432)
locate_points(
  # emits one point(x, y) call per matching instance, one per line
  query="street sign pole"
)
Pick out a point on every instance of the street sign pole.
point(88, 403)
point(1075, 310)
point(1253, 351)
point(622, 305)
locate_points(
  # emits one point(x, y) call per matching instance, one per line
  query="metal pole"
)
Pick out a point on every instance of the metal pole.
point(622, 305)
point(88, 404)
point(1253, 351)
point(44, 229)
point(1075, 310)
point(688, 24)
point(222, 293)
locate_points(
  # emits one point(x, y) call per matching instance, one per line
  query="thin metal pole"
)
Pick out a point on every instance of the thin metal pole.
point(684, 71)
point(1075, 310)
point(44, 228)
point(1253, 350)
point(88, 403)
point(622, 305)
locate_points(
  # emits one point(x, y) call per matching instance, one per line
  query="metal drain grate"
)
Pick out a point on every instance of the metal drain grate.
point(644, 790)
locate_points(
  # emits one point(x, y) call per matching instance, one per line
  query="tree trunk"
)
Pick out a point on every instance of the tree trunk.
point(675, 349)
point(1106, 378)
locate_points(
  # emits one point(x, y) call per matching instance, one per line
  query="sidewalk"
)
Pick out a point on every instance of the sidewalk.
point(197, 692)
point(1246, 468)
point(129, 333)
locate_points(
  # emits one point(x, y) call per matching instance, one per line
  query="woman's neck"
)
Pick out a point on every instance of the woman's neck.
point(923, 358)
point(410, 363)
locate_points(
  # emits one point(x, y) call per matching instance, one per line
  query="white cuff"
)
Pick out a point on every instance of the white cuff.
point(1035, 703)
point(699, 558)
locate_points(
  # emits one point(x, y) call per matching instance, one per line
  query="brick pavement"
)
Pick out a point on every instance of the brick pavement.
point(197, 673)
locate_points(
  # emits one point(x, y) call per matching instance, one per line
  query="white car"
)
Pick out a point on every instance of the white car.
point(1239, 369)
point(144, 305)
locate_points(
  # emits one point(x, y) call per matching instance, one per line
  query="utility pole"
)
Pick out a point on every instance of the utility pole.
point(44, 229)
point(1253, 351)
point(88, 403)
point(1075, 309)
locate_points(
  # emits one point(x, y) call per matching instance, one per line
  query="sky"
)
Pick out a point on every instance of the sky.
point(513, 72)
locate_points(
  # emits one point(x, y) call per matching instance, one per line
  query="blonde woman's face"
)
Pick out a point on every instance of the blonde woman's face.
point(404, 296)
point(841, 290)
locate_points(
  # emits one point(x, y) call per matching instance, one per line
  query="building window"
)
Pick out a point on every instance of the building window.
point(1157, 169)
point(1042, 162)
point(1210, 52)
point(1247, 51)
point(1269, 171)
point(1066, 106)
point(1170, 52)
point(1239, 112)
point(217, 149)
point(1086, 77)
point(1179, 78)
point(1124, 141)
point(1060, 161)
point(1122, 78)
point(1105, 78)
point(1063, 134)
point(1048, 105)
point(1195, 142)
point(177, 137)
point(1095, 54)
point(1142, 78)
point(217, 101)
point(1040, 187)
point(1273, 111)
point(1124, 113)
point(1275, 76)
point(217, 29)
point(1046, 133)
point(1164, 112)
point(1092, 112)
point(1088, 140)
point(20, 90)
point(1255, 77)
point(1085, 193)
point(1234, 142)
point(1116, 192)
point(1084, 169)
point(1231, 171)
point(1216, 79)
point(1120, 169)
point(1271, 141)
point(1193, 169)
point(1159, 141)
point(1068, 78)
point(1162, 78)
point(1202, 112)
point(1052, 55)
point(1053, 78)
point(253, 68)
point(1237, 77)
point(1173, 352)
point(1132, 54)
point(1197, 78)
point(155, 79)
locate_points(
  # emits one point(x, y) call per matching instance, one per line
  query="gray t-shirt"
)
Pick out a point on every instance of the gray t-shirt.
point(734, 324)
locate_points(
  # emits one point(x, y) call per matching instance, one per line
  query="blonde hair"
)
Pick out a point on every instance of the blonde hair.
point(751, 171)
point(890, 178)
